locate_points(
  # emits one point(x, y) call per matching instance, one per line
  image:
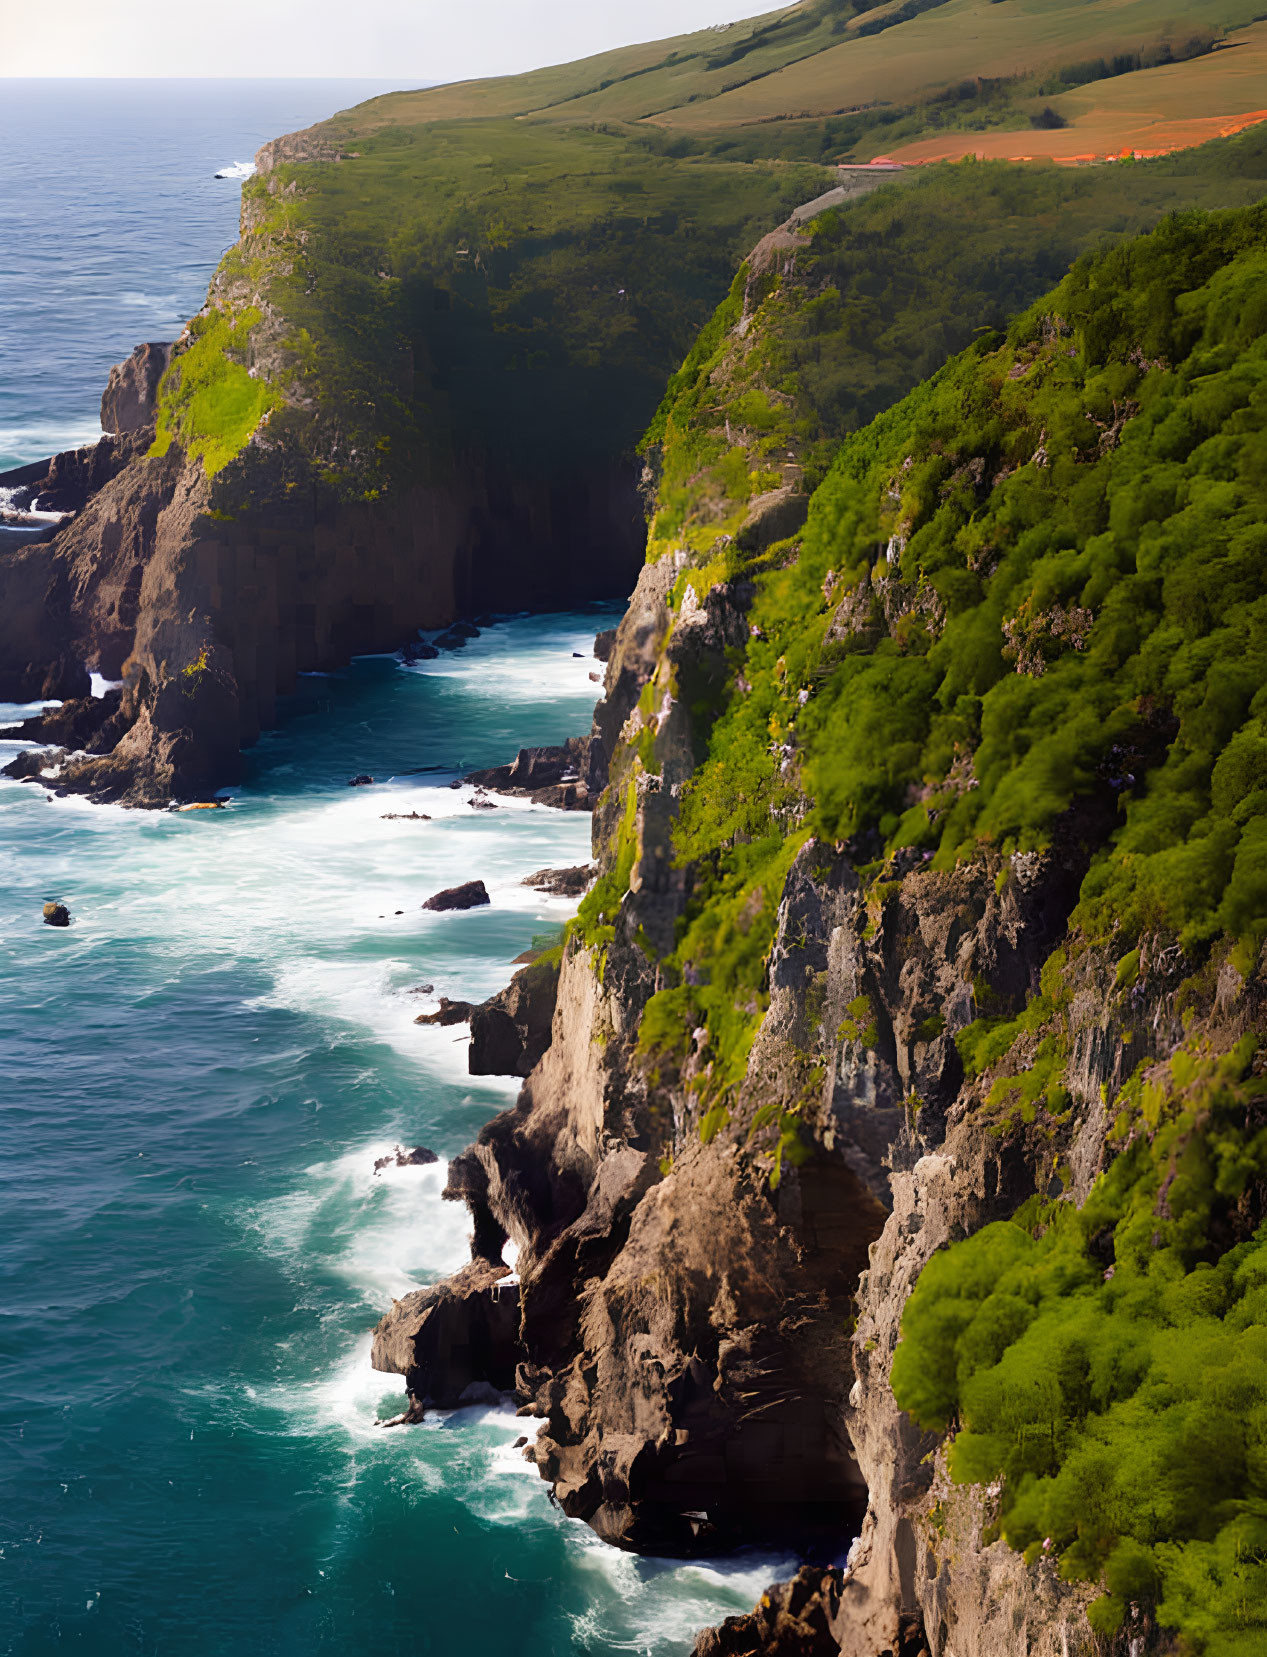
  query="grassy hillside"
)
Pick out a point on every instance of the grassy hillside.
point(1165, 107)
point(943, 46)
point(516, 266)
point(828, 57)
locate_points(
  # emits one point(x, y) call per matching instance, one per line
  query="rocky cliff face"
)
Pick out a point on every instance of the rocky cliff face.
point(708, 1346)
point(790, 1067)
point(213, 555)
point(207, 596)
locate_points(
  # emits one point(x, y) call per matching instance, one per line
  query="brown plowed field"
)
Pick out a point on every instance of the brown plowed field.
point(1150, 112)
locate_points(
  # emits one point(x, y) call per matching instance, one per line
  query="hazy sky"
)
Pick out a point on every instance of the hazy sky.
point(403, 40)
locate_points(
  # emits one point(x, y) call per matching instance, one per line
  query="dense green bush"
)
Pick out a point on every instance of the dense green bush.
point(1109, 1365)
point(1081, 516)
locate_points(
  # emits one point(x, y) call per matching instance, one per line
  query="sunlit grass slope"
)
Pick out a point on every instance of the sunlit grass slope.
point(830, 58)
point(519, 264)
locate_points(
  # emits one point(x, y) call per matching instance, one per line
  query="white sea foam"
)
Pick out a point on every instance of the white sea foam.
point(352, 1397)
point(37, 439)
point(655, 1607)
point(503, 668)
point(385, 1234)
point(25, 514)
point(13, 713)
point(138, 301)
point(646, 1606)
point(237, 169)
point(99, 685)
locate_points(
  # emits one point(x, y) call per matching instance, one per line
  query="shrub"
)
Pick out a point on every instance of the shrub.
point(1109, 1364)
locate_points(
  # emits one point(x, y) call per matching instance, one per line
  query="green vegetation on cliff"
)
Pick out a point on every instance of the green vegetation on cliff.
point(1072, 525)
point(1036, 581)
point(1108, 1365)
point(874, 301)
point(525, 289)
point(211, 403)
point(1028, 609)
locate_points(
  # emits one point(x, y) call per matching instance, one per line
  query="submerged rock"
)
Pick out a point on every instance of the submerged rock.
point(361, 781)
point(419, 1157)
point(471, 894)
point(56, 914)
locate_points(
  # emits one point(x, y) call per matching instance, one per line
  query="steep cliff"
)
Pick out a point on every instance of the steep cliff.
point(928, 928)
point(364, 432)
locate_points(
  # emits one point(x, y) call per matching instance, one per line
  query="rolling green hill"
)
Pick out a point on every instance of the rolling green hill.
point(517, 265)
point(917, 64)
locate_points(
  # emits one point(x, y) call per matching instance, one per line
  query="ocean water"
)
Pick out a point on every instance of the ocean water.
point(195, 1080)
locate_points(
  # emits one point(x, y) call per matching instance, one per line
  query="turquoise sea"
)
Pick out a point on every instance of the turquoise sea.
point(195, 1080)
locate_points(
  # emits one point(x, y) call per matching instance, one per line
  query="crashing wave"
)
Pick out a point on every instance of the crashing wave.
point(16, 508)
point(237, 169)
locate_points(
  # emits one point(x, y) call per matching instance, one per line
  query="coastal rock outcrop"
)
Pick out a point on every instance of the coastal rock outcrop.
point(448, 1013)
point(471, 894)
point(455, 1342)
point(564, 883)
point(563, 775)
point(419, 1157)
point(209, 597)
point(794, 1619)
point(130, 400)
point(511, 1031)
